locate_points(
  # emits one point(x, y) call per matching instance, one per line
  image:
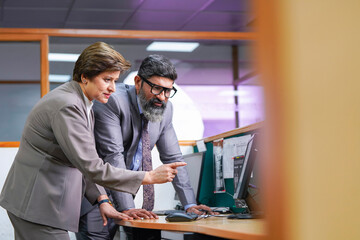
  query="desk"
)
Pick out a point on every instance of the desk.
point(246, 229)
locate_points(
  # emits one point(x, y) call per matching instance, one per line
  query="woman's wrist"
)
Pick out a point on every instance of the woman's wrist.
point(101, 197)
point(106, 200)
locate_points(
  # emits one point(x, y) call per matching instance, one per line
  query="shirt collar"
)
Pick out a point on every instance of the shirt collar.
point(88, 104)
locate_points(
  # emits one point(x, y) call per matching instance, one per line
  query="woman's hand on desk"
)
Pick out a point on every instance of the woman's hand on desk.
point(200, 210)
point(108, 211)
point(140, 214)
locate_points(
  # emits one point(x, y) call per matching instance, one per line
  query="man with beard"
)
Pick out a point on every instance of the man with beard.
point(119, 139)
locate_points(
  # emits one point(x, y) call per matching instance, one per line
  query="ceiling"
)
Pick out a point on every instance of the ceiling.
point(163, 15)
point(169, 15)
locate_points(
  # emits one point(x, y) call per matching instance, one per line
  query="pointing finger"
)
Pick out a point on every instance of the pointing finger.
point(177, 164)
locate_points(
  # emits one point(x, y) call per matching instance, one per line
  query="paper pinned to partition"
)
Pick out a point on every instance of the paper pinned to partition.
point(232, 147)
point(219, 182)
point(201, 146)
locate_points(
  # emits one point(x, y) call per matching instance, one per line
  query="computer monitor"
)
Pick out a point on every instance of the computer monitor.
point(194, 167)
point(243, 168)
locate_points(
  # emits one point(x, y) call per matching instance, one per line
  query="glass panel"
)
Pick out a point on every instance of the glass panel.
point(20, 61)
point(16, 102)
point(19, 86)
point(54, 85)
point(216, 106)
point(251, 104)
point(249, 91)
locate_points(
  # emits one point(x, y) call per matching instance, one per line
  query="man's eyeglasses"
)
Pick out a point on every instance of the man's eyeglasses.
point(157, 89)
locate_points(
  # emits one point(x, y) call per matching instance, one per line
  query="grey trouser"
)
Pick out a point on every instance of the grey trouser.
point(25, 230)
point(91, 227)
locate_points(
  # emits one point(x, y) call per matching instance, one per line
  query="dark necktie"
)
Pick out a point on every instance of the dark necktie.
point(148, 202)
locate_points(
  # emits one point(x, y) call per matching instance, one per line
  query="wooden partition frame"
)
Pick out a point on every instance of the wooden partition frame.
point(132, 34)
point(44, 51)
point(44, 63)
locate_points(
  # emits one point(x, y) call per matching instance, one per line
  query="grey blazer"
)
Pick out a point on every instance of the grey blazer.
point(117, 135)
point(55, 162)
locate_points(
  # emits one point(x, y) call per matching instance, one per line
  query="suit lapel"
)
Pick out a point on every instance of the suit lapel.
point(135, 113)
point(135, 124)
point(75, 85)
point(92, 121)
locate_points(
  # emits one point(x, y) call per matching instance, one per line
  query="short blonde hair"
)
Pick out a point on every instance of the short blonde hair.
point(97, 58)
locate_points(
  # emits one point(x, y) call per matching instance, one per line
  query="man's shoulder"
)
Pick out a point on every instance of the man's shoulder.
point(120, 100)
point(123, 90)
point(123, 95)
point(168, 113)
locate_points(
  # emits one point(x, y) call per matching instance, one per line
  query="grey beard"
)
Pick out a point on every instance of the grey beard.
point(150, 111)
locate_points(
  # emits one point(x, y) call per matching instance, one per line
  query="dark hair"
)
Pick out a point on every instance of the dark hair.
point(97, 58)
point(157, 65)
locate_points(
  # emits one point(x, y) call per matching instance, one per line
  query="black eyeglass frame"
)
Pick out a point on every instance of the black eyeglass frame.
point(164, 89)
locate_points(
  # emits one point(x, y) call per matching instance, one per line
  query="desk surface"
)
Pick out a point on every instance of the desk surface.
point(246, 229)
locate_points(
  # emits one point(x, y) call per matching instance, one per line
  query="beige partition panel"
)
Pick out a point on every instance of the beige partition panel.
point(309, 59)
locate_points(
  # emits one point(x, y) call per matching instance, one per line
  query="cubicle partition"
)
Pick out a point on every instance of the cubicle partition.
point(207, 194)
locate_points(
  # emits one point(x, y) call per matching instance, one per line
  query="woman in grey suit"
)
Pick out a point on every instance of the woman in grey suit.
point(57, 162)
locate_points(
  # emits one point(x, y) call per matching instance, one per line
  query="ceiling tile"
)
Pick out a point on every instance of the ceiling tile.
point(160, 17)
point(27, 24)
point(99, 16)
point(93, 25)
point(228, 6)
point(38, 3)
point(34, 16)
point(221, 28)
point(154, 27)
point(187, 5)
point(107, 4)
point(218, 19)
point(171, 15)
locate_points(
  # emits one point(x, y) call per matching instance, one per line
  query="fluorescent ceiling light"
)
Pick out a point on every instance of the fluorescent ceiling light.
point(63, 57)
point(59, 78)
point(172, 46)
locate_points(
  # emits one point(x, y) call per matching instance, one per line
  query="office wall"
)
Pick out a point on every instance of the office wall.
point(7, 156)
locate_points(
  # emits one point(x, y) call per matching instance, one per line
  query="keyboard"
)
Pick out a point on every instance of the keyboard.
point(167, 212)
point(246, 215)
point(220, 209)
point(181, 217)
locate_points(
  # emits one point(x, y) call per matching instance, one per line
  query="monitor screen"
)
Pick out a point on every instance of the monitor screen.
point(194, 166)
point(243, 168)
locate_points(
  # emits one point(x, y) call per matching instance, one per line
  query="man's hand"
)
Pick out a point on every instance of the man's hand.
point(107, 211)
point(201, 209)
point(164, 173)
point(140, 214)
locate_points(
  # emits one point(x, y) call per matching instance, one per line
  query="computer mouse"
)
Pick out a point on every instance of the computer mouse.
point(240, 216)
point(181, 217)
